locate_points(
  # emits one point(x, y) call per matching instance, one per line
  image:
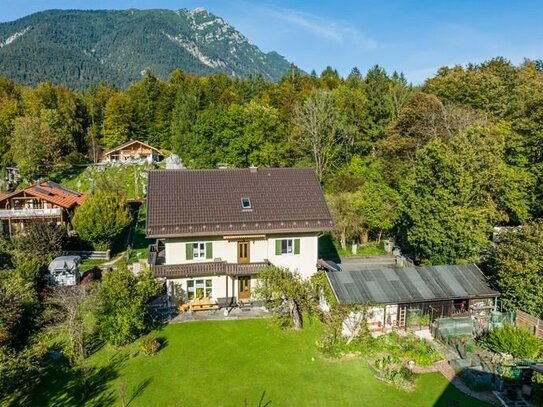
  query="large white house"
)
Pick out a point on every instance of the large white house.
point(217, 229)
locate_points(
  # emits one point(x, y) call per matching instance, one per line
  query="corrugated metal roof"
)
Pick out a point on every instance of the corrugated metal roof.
point(410, 284)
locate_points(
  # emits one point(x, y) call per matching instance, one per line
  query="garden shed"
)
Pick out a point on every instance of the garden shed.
point(411, 296)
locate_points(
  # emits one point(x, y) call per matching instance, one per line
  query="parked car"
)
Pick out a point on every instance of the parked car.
point(64, 270)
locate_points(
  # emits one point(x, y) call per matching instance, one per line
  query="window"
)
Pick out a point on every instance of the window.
point(198, 250)
point(199, 288)
point(246, 203)
point(287, 246)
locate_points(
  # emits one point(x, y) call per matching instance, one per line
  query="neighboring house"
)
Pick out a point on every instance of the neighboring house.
point(42, 202)
point(132, 150)
point(395, 294)
point(64, 270)
point(217, 229)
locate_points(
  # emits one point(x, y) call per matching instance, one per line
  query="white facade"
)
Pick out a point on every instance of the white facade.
point(296, 252)
point(221, 286)
point(377, 317)
point(261, 249)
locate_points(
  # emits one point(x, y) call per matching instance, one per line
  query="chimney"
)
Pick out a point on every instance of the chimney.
point(253, 169)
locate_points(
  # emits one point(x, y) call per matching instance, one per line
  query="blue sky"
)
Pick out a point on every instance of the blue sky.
point(414, 37)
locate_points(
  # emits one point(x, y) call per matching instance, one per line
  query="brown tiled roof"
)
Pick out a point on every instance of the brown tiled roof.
point(208, 202)
point(51, 192)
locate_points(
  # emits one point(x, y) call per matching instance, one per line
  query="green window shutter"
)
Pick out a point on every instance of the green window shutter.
point(278, 247)
point(209, 250)
point(189, 252)
point(296, 246)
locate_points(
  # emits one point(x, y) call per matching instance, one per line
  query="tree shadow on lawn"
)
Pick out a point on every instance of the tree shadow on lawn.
point(262, 402)
point(63, 385)
point(94, 343)
point(138, 390)
point(163, 341)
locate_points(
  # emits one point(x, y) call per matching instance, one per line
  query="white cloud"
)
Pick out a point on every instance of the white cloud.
point(338, 31)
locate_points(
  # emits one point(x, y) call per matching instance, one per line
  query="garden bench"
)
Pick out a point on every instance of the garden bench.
point(226, 302)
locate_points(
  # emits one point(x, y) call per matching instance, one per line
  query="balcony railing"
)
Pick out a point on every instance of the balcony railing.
point(214, 268)
point(30, 213)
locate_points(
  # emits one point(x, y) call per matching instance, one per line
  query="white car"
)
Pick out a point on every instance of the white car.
point(64, 270)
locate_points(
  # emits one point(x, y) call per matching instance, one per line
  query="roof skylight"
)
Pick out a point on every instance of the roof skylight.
point(246, 203)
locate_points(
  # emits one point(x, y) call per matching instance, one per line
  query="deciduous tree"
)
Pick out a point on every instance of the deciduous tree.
point(42, 241)
point(457, 192)
point(286, 291)
point(516, 267)
point(123, 311)
point(321, 130)
point(69, 312)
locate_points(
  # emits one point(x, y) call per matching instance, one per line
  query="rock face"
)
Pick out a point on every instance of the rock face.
point(80, 48)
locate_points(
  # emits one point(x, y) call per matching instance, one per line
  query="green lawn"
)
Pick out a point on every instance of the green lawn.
point(330, 249)
point(224, 363)
point(369, 249)
point(89, 264)
point(139, 243)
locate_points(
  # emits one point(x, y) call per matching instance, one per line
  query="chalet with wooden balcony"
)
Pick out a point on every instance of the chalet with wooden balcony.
point(132, 150)
point(217, 229)
point(42, 202)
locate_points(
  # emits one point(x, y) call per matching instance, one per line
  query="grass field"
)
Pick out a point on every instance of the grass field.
point(329, 249)
point(232, 363)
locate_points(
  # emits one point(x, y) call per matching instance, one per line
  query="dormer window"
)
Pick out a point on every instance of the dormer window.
point(246, 203)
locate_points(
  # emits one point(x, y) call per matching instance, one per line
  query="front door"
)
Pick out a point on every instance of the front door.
point(244, 287)
point(243, 252)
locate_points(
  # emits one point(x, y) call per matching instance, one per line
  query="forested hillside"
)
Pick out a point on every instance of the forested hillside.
point(81, 48)
point(435, 167)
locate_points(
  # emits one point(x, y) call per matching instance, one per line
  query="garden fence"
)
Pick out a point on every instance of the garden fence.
point(530, 322)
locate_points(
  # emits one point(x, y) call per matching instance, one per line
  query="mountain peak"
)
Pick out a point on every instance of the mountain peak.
point(200, 10)
point(79, 48)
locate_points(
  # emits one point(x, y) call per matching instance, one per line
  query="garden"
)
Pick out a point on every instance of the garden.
point(233, 363)
point(499, 359)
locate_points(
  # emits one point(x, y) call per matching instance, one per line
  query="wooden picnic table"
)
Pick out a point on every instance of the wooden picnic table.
point(198, 304)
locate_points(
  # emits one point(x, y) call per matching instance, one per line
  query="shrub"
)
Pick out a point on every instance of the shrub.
point(514, 340)
point(123, 311)
point(149, 345)
point(537, 380)
point(391, 370)
point(411, 347)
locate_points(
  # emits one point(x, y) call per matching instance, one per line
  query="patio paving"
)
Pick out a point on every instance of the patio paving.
point(219, 315)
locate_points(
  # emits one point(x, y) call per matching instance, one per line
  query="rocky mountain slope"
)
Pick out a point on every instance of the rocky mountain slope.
point(79, 48)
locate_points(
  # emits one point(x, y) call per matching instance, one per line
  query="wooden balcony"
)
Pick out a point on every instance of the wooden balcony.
point(30, 213)
point(214, 268)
